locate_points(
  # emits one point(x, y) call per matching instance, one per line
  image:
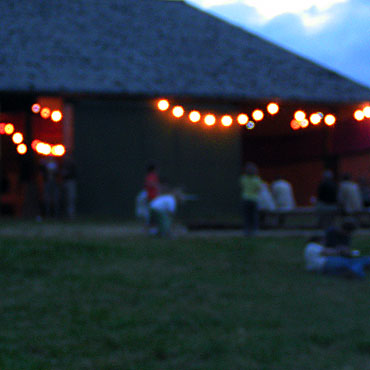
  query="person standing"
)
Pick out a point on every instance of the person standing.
point(251, 185)
point(51, 187)
point(151, 183)
point(326, 199)
point(152, 190)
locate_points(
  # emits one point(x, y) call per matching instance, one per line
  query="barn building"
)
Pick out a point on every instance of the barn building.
point(105, 65)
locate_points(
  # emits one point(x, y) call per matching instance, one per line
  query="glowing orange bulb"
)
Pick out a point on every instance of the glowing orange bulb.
point(304, 123)
point(209, 119)
point(36, 108)
point(17, 138)
point(359, 115)
point(9, 128)
point(329, 120)
point(242, 119)
point(315, 118)
point(2, 128)
point(34, 144)
point(226, 121)
point(299, 115)
point(194, 116)
point(56, 115)
point(43, 148)
point(295, 125)
point(272, 108)
point(257, 115)
point(178, 111)
point(58, 150)
point(45, 113)
point(163, 105)
point(366, 111)
point(22, 149)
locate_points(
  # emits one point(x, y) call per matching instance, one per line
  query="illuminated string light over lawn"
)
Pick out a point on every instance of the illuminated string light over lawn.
point(366, 111)
point(315, 118)
point(272, 108)
point(57, 150)
point(194, 116)
point(43, 148)
point(178, 111)
point(242, 119)
point(56, 116)
point(209, 119)
point(304, 123)
point(36, 108)
point(226, 121)
point(299, 121)
point(295, 125)
point(359, 115)
point(329, 120)
point(299, 115)
point(163, 105)
point(22, 149)
point(45, 113)
point(17, 138)
point(9, 129)
point(257, 115)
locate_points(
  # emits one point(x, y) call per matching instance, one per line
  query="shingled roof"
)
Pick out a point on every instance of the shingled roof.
point(151, 47)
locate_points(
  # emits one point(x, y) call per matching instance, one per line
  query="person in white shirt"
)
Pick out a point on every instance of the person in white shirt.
point(282, 192)
point(162, 209)
point(336, 261)
point(349, 195)
point(266, 201)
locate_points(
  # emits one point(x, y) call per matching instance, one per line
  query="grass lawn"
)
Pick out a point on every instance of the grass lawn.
point(132, 302)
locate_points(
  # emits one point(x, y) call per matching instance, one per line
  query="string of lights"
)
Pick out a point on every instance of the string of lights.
point(40, 147)
point(300, 119)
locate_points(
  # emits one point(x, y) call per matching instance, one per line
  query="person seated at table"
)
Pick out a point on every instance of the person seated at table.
point(282, 192)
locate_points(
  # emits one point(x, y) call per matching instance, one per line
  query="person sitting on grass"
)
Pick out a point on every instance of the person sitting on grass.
point(334, 261)
point(162, 210)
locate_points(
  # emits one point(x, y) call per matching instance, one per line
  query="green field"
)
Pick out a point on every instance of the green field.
point(77, 300)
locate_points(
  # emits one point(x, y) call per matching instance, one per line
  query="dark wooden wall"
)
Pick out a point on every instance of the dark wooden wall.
point(114, 140)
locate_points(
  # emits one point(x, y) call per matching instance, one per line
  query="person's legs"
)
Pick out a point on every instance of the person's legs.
point(250, 213)
point(363, 261)
point(163, 221)
point(337, 265)
point(154, 221)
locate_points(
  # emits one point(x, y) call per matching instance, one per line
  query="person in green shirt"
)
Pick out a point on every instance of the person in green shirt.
point(251, 185)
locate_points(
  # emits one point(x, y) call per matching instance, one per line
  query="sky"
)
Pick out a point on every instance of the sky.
point(333, 33)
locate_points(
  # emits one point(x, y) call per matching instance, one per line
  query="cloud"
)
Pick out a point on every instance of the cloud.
point(340, 41)
point(268, 9)
point(237, 13)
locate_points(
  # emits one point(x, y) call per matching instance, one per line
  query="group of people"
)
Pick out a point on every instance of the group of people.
point(347, 195)
point(157, 203)
point(258, 195)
